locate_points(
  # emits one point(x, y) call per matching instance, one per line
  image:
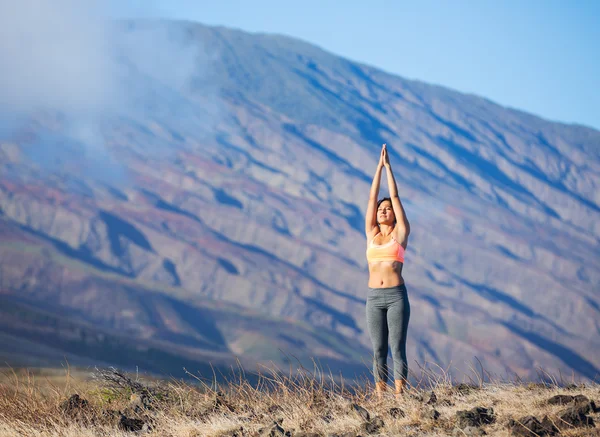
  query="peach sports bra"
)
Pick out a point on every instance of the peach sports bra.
point(390, 251)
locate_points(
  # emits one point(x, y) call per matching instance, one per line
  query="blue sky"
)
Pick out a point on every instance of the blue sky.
point(541, 56)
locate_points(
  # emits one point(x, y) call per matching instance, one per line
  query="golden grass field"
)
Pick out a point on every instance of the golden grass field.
point(40, 403)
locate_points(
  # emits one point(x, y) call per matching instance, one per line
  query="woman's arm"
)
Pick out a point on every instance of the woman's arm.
point(371, 215)
point(402, 228)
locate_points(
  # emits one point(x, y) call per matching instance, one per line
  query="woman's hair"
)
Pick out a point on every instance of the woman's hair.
point(383, 200)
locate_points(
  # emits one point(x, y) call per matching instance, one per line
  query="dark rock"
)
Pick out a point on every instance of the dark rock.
point(74, 405)
point(363, 413)
point(309, 434)
point(374, 425)
point(396, 413)
point(432, 414)
point(560, 400)
point(586, 407)
point(581, 403)
point(277, 431)
point(327, 418)
point(549, 426)
point(111, 416)
point(139, 402)
point(475, 417)
point(76, 408)
point(431, 398)
point(573, 417)
point(130, 425)
point(578, 399)
point(530, 426)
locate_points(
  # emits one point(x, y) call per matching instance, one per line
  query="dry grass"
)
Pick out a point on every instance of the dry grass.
point(33, 404)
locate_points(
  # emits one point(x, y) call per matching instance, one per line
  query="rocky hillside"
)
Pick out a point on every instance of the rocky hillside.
point(48, 404)
point(218, 214)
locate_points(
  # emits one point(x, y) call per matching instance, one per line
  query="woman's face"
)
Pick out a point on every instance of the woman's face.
point(385, 213)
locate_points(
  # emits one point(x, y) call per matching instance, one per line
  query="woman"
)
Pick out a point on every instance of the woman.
point(388, 309)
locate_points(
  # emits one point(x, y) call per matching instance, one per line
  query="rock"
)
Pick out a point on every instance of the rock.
point(581, 403)
point(363, 413)
point(574, 417)
point(310, 434)
point(397, 413)
point(129, 424)
point(75, 407)
point(374, 425)
point(139, 402)
point(580, 399)
point(277, 431)
point(475, 417)
point(530, 426)
point(431, 398)
point(74, 403)
point(327, 418)
point(432, 414)
point(584, 405)
point(111, 416)
point(560, 400)
point(549, 426)
point(473, 431)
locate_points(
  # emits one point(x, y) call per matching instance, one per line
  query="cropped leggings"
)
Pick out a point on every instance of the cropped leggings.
point(388, 311)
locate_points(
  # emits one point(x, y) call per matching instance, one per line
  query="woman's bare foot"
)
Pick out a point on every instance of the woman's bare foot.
point(400, 387)
point(380, 388)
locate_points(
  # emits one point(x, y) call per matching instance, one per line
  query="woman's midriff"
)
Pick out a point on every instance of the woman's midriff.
point(385, 274)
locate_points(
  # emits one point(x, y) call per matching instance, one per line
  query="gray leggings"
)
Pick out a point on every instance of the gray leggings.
point(388, 311)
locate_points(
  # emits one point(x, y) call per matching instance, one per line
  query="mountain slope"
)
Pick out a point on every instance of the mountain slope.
point(246, 184)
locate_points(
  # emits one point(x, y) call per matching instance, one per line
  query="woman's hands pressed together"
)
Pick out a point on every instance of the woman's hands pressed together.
point(384, 159)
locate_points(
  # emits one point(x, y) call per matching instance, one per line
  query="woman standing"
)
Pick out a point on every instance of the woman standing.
point(388, 309)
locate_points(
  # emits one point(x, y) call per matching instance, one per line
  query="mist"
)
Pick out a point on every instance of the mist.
point(56, 55)
point(70, 59)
